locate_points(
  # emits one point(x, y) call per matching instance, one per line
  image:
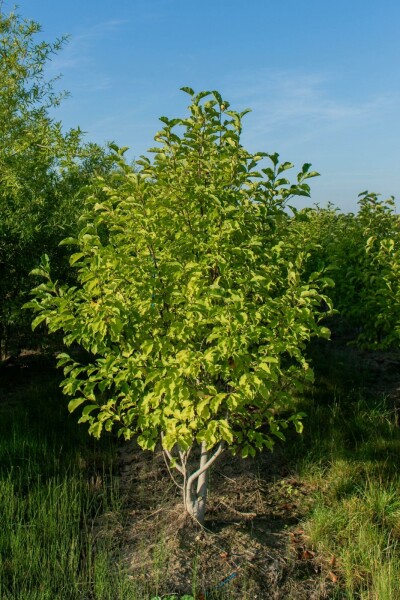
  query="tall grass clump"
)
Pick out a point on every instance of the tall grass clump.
point(350, 455)
point(55, 487)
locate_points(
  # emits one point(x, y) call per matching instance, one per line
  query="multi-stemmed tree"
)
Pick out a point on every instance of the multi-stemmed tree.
point(191, 300)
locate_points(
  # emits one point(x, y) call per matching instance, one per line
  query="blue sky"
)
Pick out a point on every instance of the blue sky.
point(322, 78)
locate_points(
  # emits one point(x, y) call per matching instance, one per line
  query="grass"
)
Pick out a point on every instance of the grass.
point(55, 482)
point(60, 504)
point(350, 455)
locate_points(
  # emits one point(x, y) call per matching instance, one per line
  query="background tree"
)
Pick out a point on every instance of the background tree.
point(191, 301)
point(41, 167)
point(362, 252)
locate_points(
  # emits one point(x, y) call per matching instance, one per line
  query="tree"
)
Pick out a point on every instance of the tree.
point(190, 299)
point(41, 167)
point(362, 252)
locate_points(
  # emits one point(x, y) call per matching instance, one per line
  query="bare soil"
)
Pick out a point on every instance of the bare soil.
point(251, 545)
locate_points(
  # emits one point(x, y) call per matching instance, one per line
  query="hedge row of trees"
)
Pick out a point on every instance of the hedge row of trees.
point(362, 253)
point(42, 170)
point(187, 279)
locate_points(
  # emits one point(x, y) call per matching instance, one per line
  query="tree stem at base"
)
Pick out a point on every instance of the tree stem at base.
point(195, 489)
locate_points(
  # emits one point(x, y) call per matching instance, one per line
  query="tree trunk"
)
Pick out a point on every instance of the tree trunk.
point(202, 485)
point(195, 486)
point(196, 491)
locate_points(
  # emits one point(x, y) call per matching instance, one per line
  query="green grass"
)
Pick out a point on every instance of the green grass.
point(54, 482)
point(350, 456)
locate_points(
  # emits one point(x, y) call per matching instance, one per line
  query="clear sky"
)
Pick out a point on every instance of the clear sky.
point(322, 77)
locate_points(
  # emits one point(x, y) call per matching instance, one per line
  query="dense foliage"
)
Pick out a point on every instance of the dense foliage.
point(363, 254)
point(192, 301)
point(41, 168)
point(186, 290)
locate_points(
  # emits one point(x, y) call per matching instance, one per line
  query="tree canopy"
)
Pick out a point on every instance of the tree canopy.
point(42, 167)
point(191, 299)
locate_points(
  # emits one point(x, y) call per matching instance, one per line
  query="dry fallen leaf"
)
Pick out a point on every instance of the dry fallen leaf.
point(332, 576)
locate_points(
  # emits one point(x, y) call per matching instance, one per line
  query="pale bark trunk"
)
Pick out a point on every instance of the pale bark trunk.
point(195, 486)
point(202, 486)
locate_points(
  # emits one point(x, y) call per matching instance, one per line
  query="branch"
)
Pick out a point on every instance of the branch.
point(184, 456)
point(208, 464)
point(165, 454)
point(171, 458)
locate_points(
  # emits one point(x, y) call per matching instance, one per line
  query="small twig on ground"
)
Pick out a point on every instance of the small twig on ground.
point(244, 515)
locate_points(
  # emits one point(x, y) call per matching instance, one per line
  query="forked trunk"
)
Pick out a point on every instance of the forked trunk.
point(196, 485)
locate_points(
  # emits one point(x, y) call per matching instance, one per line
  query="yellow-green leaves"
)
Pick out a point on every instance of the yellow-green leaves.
point(362, 252)
point(191, 298)
point(73, 404)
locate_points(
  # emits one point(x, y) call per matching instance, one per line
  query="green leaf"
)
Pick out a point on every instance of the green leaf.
point(217, 96)
point(75, 257)
point(69, 241)
point(274, 158)
point(187, 90)
point(201, 95)
point(95, 429)
point(36, 322)
point(73, 404)
point(284, 167)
